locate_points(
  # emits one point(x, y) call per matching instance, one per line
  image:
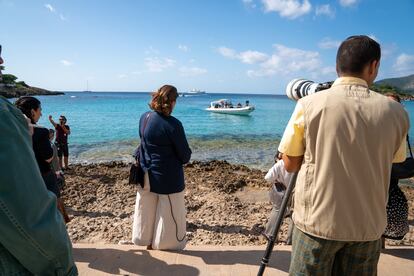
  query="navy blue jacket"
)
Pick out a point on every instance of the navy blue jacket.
point(164, 150)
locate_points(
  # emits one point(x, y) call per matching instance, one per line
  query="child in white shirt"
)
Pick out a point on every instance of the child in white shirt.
point(280, 178)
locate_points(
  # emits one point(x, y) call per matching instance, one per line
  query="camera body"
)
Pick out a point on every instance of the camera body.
point(299, 88)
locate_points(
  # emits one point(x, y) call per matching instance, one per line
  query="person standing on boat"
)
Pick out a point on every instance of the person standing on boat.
point(160, 214)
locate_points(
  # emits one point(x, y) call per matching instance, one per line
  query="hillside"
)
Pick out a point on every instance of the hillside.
point(15, 92)
point(403, 84)
point(9, 88)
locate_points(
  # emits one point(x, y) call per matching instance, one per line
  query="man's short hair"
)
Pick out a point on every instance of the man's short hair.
point(355, 53)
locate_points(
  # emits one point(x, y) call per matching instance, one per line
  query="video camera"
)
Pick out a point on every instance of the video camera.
point(299, 88)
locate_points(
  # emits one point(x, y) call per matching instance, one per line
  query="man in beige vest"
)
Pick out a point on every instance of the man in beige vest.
point(342, 142)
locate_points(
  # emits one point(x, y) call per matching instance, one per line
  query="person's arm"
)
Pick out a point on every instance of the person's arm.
point(401, 153)
point(32, 229)
point(292, 144)
point(51, 121)
point(271, 175)
point(182, 149)
point(292, 163)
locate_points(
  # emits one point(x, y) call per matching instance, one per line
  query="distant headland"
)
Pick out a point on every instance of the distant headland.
point(11, 88)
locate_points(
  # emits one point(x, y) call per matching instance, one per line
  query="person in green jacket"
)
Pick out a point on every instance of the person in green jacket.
point(33, 237)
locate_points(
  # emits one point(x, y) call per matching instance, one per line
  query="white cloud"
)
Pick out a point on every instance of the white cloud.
point(192, 71)
point(62, 17)
point(283, 61)
point(404, 64)
point(288, 8)
point(347, 3)
point(287, 60)
point(249, 3)
point(248, 57)
point(183, 48)
point(50, 7)
point(227, 52)
point(328, 43)
point(374, 38)
point(155, 64)
point(388, 49)
point(328, 70)
point(325, 10)
point(66, 62)
point(251, 57)
point(152, 51)
point(122, 76)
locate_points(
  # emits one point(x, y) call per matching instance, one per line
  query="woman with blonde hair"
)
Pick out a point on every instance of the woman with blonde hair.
point(160, 214)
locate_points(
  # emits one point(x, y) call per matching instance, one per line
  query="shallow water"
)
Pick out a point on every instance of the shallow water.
point(105, 125)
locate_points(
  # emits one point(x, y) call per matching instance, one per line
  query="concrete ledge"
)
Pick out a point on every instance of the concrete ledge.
point(111, 259)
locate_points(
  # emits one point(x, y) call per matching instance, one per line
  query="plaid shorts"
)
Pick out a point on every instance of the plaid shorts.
point(316, 256)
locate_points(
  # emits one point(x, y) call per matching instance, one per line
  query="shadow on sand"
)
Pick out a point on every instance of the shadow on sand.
point(404, 253)
point(140, 262)
point(279, 260)
point(114, 261)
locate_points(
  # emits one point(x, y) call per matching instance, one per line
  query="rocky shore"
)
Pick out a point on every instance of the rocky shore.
point(227, 204)
point(15, 92)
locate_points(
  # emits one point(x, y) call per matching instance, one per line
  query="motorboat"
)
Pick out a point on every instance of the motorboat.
point(193, 92)
point(225, 106)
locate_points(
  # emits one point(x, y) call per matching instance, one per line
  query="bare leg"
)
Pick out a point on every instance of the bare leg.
point(66, 161)
point(61, 207)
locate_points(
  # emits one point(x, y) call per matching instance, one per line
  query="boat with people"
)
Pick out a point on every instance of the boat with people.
point(225, 106)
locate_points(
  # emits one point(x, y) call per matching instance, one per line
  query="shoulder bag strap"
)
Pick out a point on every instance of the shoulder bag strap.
point(145, 125)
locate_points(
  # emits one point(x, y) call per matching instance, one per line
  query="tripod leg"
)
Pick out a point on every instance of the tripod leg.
point(281, 215)
point(271, 224)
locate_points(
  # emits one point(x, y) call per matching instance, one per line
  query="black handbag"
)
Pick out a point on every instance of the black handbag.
point(404, 169)
point(136, 173)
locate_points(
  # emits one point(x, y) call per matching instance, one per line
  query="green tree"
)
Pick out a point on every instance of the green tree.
point(21, 83)
point(9, 79)
point(2, 68)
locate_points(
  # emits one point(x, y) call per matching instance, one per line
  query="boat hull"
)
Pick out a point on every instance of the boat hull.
point(232, 111)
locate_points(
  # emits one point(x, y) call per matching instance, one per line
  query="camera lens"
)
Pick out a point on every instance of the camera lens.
point(299, 88)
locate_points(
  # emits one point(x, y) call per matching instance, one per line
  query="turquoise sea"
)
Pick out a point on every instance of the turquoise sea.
point(105, 125)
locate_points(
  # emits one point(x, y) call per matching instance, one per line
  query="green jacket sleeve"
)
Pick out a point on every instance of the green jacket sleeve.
point(32, 229)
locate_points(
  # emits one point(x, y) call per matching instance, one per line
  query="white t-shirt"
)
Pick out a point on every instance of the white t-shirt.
point(278, 173)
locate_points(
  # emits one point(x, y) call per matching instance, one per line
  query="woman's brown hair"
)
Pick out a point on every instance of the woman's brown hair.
point(163, 98)
point(394, 96)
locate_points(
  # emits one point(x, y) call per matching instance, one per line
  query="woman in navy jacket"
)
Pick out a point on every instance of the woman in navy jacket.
point(159, 219)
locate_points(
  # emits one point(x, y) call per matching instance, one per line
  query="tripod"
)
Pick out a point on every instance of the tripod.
point(280, 216)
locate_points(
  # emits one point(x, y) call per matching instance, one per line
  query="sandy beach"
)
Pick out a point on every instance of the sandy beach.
point(227, 204)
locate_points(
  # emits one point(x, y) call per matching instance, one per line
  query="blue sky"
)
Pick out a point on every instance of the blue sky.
point(246, 46)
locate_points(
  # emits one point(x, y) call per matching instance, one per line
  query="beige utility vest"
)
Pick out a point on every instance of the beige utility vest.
point(351, 136)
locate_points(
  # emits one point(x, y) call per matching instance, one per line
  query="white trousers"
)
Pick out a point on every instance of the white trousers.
point(159, 220)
